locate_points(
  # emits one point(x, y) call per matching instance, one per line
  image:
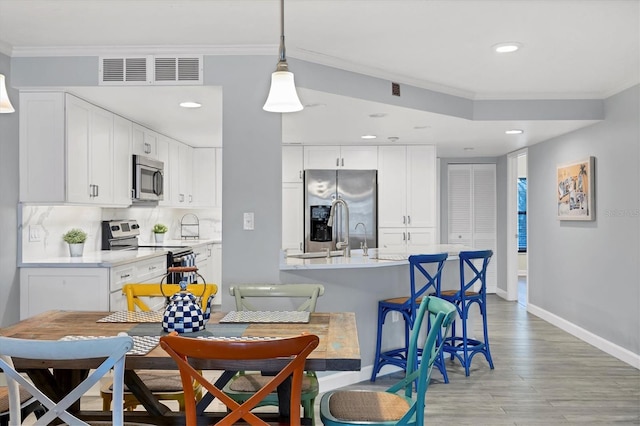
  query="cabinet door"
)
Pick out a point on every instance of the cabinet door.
point(101, 156)
point(419, 240)
point(122, 161)
point(392, 187)
point(292, 216)
point(321, 157)
point(459, 204)
point(78, 125)
point(185, 174)
point(172, 173)
point(392, 239)
point(74, 289)
point(359, 157)
point(292, 164)
point(421, 184)
point(204, 177)
point(144, 141)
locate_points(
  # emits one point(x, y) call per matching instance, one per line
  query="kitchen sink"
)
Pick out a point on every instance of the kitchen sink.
point(316, 254)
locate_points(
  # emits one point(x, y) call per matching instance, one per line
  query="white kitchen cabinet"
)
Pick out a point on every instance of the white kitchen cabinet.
point(145, 141)
point(67, 152)
point(292, 163)
point(205, 177)
point(406, 240)
point(471, 193)
point(85, 289)
point(209, 261)
point(407, 186)
point(292, 217)
point(407, 197)
point(185, 182)
point(341, 157)
point(122, 163)
point(81, 289)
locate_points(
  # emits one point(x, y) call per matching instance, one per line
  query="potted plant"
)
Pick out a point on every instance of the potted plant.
point(75, 238)
point(159, 230)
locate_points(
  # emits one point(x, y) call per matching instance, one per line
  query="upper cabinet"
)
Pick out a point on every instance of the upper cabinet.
point(67, 152)
point(207, 181)
point(145, 142)
point(341, 157)
point(292, 164)
point(407, 186)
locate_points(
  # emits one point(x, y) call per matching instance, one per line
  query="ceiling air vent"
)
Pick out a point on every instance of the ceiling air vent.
point(123, 70)
point(183, 69)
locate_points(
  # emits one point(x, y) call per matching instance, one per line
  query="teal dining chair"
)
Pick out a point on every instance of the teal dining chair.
point(400, 404)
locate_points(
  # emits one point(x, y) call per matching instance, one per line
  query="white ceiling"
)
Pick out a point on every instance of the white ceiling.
point(572, 49)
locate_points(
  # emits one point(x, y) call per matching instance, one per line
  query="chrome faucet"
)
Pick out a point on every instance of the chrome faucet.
point(363, 246)
point(341, 245)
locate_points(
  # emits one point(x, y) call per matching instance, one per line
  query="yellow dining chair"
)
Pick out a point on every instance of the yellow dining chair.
point(290, 297)
point(165, 385)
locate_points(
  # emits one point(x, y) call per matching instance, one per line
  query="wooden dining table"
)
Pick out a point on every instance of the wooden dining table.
point(338, 350)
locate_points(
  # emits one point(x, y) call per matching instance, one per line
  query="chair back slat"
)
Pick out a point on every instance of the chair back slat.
point(470, 274)
point(114, 349)
point(296, 350)
point(134, 292)
point(308, 292)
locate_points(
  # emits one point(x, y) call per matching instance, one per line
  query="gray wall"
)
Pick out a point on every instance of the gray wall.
point(9, 283)
point(588, 273)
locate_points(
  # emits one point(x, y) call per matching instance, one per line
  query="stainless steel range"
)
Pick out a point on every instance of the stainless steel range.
point(122, 234)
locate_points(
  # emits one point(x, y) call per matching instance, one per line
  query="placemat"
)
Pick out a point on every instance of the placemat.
point(142, 345)
point(266, 317)
point(130, 316)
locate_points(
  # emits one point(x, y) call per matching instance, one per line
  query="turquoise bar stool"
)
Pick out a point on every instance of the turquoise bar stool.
point(461, 346)
point(425, 282)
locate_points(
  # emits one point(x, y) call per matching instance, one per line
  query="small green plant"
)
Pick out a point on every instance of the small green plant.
point(75, 236)
point(159, 228)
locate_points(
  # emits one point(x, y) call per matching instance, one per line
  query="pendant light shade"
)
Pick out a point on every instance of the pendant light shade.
point(282, 95)
point(5, 103)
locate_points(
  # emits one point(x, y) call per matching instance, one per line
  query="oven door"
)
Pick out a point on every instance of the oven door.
point(148, 179)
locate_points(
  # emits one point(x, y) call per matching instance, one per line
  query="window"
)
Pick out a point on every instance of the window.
point(522, 215)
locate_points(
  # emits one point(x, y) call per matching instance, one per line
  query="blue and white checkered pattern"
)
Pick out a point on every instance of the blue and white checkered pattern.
point(183, 314)
point(189, 260)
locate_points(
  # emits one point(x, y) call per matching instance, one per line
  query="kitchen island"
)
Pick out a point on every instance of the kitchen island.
point(356, 284)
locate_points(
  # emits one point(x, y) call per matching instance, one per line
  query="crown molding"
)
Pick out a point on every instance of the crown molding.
point(214, 50)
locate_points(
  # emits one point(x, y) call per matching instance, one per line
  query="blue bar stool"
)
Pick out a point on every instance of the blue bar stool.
point(462, 346)
point(408, 306)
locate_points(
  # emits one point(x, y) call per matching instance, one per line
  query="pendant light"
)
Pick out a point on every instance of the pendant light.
point(282, 95)
point(5, 103)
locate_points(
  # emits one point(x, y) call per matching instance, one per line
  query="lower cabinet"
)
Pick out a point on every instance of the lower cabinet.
point(406, 240)
point(85, 289)
point(209, 262)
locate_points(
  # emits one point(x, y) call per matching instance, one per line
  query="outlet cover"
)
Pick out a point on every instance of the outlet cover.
point(35, 233)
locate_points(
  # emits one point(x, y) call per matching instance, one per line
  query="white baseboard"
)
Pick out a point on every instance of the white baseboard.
point(501, 293)
point(612, 349)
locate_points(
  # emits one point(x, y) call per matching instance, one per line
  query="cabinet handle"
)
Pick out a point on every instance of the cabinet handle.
point(408, 236)
point(124, 276)
point(299, 174)
point(408, 220)
point(190, 198)
point(151, 268)
point(181, 198)
point(337, 162)
point(404, 236)
point(300, 246)
point(404, 220)
point(342, 162)
point(97, 190)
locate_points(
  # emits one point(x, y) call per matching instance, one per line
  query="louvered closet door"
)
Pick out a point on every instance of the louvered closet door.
point(472, 210)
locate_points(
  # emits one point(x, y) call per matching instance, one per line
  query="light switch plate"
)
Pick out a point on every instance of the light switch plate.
point(35, 233)
point(248, 223)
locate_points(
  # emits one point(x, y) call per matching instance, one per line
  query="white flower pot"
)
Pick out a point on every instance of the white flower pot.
point(75, 250)
point(159, 237)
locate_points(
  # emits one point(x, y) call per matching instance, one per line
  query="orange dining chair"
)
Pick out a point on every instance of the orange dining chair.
point(294, 350)
point(165, 385)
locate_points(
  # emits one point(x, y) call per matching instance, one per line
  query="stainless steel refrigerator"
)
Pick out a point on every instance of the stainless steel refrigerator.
point(359, 189)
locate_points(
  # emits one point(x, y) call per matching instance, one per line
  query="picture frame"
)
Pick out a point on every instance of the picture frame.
point(575, 190)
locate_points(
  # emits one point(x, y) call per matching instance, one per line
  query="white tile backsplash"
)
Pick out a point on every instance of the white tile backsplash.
point(54, 221)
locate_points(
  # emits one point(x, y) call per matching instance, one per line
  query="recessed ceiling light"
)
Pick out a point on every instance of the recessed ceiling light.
point(421, 127)
point(509, 47)
point(368, 137)
point(378, 115)
point(190, 104)
point(393, 138)
point(514, 132)
point(469, 148)
point(315, 105)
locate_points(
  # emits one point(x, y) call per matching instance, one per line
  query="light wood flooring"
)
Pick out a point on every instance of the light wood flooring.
point(542, 376)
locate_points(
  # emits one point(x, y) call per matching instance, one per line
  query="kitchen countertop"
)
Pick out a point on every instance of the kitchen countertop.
point(377, 258)
point(111, 258)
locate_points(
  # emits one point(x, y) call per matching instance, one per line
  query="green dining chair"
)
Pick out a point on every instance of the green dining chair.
point(398, 405)
point(286, 297)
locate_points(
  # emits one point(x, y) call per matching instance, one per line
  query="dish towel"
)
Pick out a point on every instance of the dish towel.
point(189, 260)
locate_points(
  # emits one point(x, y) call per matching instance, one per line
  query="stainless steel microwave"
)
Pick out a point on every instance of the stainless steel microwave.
point(148, 179)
